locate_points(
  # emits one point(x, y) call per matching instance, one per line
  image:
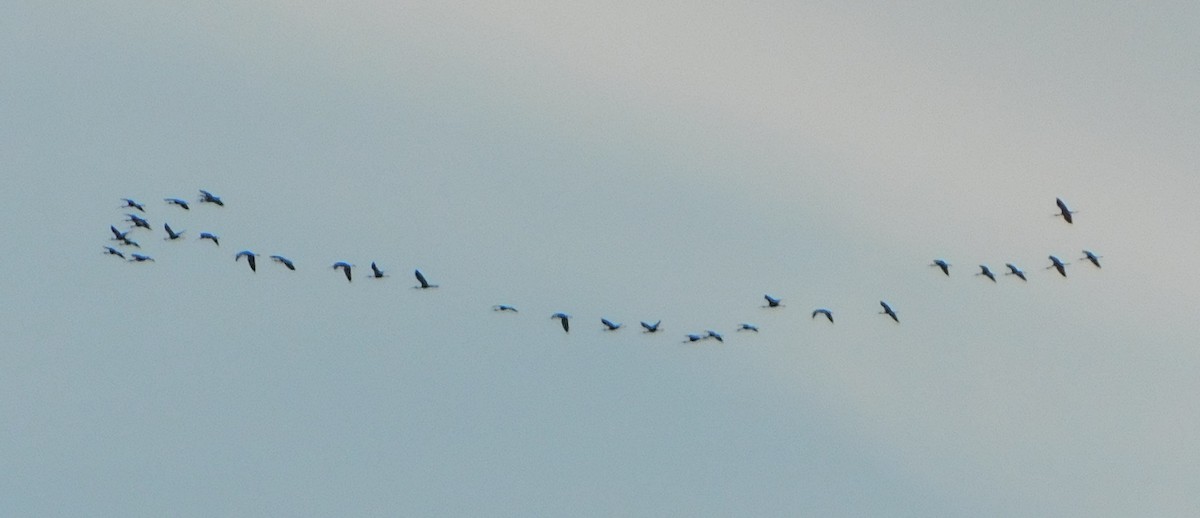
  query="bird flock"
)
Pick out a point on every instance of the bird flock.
point(137, 221)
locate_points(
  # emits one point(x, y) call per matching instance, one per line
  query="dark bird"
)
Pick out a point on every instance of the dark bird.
point(1013, 270)
point(345, 268)
point(986, 272)
point(940, 263)
point(609, 325)
point(1063, 210)
point(772, 302)
point(693, 338)
point(249, 258)
point(171, 234)
point(714, 335)
point(504, 307)
point(284, 261)
point(564, 317)
point(208, 197)
point(651, 328)
point(177, 201)
point(213, 237)
point(108, 250)
point(138, 221)
point(747, 327)
point(1057, 264)
point(425, 285)
point(823, 311)
point(1095, 259)
point(139, 258)
point(133, 204)
point(376, 272)
point(123, 237)
point(887, 310)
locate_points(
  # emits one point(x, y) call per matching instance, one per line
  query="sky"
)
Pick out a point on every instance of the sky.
point(672, 162)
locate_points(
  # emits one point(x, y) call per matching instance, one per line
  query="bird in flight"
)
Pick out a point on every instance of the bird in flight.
point(208, 197)
point(139, 258)
point(133, 204)
point(693, 338)
point(887, 310)
point(376, 272)
point(1064, 211)
point(823, 311)
point(609, 325)
point(564, 317)
point(986, 272)
point(123, 237)
point(1013, 270)
point(177, 201)
point(772, 302)
point(345, 268)
point(747, 327)
point(651, 328)
point(941, 263)
point(212, 237)
point(284, 261)
point(108, 250)
point(171, 234)
point(504, 307)
point(249, 258)
point(1095, 259)
point(1057, 264)
point(138, 221)
point(425, 284)
point(709, 333)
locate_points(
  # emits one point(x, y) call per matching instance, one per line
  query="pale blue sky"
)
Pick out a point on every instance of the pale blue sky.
point(673, 162)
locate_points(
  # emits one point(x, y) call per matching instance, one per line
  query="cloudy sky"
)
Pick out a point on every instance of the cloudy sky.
point(675, 162)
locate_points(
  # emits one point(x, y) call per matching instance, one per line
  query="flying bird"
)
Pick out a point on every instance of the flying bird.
point(177, 201)
point(249, 258)
point(564, 317)
point(941, 263)
point(133, 204)
point(772, 302)
point(108, 250)
point(1057, 264)
point(823, 311)
point(425, 285)
point(747, 327)
point(504, 307)
point(1013, 270)
point(714, 335)
point(1063, 210)
point(651, 328)
point(171, 234)
point(208, 197)
point(123, 237)
point(345, 268)
point(693, 338)
point(376, 272)
point(139, 258)
point(284, 261)
point(138, 221)
point(213, 237)
point(609, 325)
point(1095, 259)
point(986, 272)
point(887, 310)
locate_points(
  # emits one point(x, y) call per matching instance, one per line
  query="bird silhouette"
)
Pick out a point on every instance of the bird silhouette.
point(123, 237)
point(609, 325)
point(693, 338)
point(747, 327)
point(425, 284)
point(772, 302)
point(345, 268)
point(139, 258)
point(565, 318)
point(208, 197)
point(1095, 259)
point(171, 234)
point(108, 250)
point(177, 201)
point(376, 273)
point(945, 266)
point(133, 204)
point(823, 311)
point(1064, 211)
point(887, 310)
point(651, 328)
point(138, 221)
point(986, 272)
point(714, 335)
point(1013, 270)
point(1057, 264)
point(249, 258)
point(212, 237)
point(284, 261)
point(504, 307)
